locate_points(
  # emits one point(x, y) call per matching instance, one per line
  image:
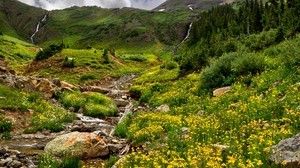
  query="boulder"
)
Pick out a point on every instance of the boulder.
point(163, 108)
point(287, 150)
point(81, 145)
point(47, 88)
point(221, 91)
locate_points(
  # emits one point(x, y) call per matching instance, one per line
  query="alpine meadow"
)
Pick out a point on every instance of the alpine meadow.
point(187, 84)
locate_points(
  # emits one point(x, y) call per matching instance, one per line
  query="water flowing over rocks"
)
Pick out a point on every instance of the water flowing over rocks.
point(287, 150)
point(15, 159)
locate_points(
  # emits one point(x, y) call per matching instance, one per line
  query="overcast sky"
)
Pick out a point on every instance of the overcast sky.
point(61, 4)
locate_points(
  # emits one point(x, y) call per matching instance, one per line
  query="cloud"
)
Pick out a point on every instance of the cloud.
point(61, 4)
point(146, 4)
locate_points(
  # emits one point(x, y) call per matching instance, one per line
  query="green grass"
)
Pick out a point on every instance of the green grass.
point(259, 111)
point(16, 52)
point(93, 104)
point(45, 116)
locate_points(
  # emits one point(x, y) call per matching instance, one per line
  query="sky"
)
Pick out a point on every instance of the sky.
point(61, 4)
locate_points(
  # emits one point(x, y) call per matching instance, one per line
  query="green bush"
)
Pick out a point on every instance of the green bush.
point(68, 63)
point(49, 51)
point(122, 128)
point(219, 73)
point(169, 65)
point(48, 161)
point(111, 161)
point(6, 135)
point(224, 71)
point(248, 64)
point(5, 124)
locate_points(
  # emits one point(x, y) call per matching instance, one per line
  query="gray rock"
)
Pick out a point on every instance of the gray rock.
point(221, 91)
point(15, 164)
point(115, 148)
point(287, 150)
point(163, 108)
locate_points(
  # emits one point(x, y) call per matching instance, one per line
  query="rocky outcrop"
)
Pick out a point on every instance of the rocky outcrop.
point(81, 145)
point(288, 151)
point(221, 91)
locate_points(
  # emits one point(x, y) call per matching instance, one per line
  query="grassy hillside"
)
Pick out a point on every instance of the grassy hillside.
point(16, 53)
point(94, 26)
point(117, 28)
point(20, 17)
point(236, 129)
point(178, 5)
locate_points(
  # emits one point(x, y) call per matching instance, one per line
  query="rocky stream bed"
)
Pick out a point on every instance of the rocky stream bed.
point(22, 150)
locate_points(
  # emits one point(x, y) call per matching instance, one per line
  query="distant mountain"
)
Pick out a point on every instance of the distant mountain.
point(176, 5)
point(80, 27)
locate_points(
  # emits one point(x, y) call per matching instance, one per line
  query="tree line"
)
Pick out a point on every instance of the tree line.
point(218, 30)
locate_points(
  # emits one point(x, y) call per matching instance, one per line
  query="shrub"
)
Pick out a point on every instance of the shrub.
point(219, 73)
point(5, 124)
point(48, 161)
point(68, 63)
point(169, 65)
point(105, 56)
point(111, 161)
point(6, 135)
point(248, 64)
point(48, 52)
point(97, 110)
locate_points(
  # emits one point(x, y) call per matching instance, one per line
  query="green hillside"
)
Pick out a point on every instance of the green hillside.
point(177, 120)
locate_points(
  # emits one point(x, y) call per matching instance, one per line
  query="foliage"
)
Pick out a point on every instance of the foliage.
point(111, 161)
point(68, 63)
point(45, 116)
point(256, 25)
point(48, 52)
point(6, 135)
point(105, 56)
point(94, 104)
point(47, 161)
point(247, 121)
point(5, 124)
point(169, 65)
point(122, 128)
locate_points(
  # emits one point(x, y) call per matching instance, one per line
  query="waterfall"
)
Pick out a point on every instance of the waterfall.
point(185, 38)
point(38, 28)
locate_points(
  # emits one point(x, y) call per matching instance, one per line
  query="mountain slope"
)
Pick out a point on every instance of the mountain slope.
point(18, 17)
point(81, 27)
point(176, 5)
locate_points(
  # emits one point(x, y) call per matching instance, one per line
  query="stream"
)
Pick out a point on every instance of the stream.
point(33, 144)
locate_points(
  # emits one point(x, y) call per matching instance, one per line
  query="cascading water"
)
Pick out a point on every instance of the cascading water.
point(185, 38)
point(38, 28)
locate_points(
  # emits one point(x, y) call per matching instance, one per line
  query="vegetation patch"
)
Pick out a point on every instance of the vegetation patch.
point(94, 104)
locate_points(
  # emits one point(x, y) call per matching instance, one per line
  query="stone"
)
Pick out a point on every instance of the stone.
point(47, 88)
point(220, 147)
point(97, 89)
point(121, 102)
point(221, 91)
point(15, 164)
point(115, 148)
point(81, 145)
point(287, 150)
point(163, 108)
